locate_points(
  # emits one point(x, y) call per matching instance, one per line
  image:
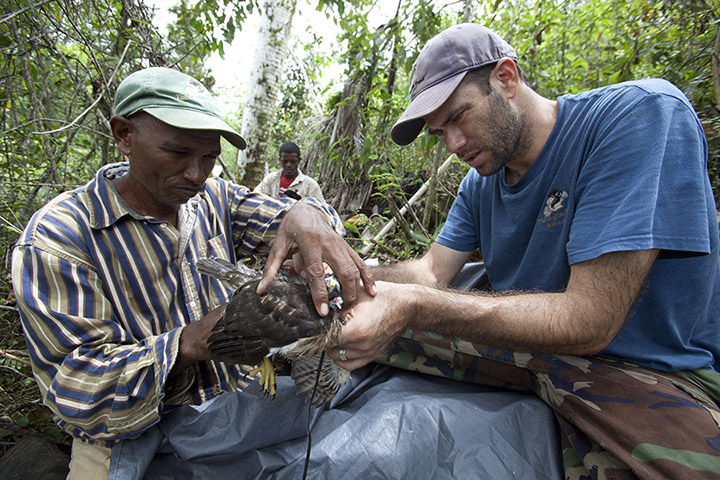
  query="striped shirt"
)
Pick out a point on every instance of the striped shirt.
point(105, 292)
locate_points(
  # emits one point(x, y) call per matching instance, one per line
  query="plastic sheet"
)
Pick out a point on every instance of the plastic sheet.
point(385, 423)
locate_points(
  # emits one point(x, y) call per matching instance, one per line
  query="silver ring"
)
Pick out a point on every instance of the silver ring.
point(342, 355)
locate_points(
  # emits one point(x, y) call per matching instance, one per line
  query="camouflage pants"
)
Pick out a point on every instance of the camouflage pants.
point(619, 421)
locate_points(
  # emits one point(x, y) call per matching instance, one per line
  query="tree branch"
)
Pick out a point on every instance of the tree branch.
point(23, 10)
point(100, 96)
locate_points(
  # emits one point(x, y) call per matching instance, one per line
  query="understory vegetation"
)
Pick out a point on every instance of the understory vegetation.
point(61, 61)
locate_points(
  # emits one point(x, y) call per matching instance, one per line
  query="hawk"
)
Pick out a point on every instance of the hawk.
point(281, 324)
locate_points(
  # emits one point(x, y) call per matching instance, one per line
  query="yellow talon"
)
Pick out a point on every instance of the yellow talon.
point(267, 375)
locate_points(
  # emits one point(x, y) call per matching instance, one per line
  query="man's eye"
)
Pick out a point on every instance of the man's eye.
point(457, 117)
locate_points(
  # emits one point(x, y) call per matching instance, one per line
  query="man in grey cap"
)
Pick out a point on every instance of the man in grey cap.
point(596, 221)
point(115, 314)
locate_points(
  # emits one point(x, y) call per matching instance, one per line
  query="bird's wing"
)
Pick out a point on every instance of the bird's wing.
point(236, 275)
point(332, 377)
point(253, 324)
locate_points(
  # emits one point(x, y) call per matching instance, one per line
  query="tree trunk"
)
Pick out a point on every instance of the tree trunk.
point(430, 206)
point(714, 62)
point(259, 113)
point(468, 11)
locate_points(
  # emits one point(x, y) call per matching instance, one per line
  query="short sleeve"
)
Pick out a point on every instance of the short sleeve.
point(643, 184)
point(461, 230)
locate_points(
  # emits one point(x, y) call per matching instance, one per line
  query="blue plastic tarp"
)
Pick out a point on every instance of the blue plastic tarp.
point(385, 423)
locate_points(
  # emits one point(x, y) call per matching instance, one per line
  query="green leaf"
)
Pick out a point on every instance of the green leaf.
point(351, 228)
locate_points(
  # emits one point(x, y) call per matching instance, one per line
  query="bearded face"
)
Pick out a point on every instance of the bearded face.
point(485, 131)
point(501, 133)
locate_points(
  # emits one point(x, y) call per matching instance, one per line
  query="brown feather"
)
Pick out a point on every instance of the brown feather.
point(282, 322)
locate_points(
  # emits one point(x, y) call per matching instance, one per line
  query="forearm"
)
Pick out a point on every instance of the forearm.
point(109, 392)
point(559, 323)
point(409, 271)
point(436, 268)
point(92, 374)
point(256, 219)
point(581, 320)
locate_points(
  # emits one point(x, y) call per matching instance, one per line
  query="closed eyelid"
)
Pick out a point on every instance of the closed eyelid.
point(451, 118)
point(456, 116)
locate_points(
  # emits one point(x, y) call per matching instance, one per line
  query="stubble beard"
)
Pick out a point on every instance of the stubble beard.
point(509, 132)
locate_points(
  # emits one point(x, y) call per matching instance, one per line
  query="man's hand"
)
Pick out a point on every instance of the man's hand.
point(305, 230)
point(193, 342)
point(372, 324)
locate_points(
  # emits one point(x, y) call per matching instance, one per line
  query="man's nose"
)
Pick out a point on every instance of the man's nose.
point(196, 171)
point(454, 140)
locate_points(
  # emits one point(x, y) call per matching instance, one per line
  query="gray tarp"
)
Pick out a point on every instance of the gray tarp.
point(385, 423)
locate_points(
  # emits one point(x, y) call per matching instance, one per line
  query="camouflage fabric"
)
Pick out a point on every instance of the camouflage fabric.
point(619, 421)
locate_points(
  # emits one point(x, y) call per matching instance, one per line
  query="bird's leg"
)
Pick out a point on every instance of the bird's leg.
point(267, 375)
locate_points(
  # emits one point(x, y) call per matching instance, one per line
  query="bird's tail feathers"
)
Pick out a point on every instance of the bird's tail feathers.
point(313, 346)
point(332, 377)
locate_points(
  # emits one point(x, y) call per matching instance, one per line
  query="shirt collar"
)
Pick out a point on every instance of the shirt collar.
point(297, 178)
point(106, 205)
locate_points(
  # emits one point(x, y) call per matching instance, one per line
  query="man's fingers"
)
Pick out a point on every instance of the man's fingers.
point(355, 276)
point(352, 358)
point(298, 265)
point(320, 296)
point(315, 276)
point(367, 278)
point(351, 271)
point(348, 281)
point(278, 254)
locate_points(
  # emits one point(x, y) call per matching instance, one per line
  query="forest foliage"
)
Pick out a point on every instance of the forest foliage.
point(61, 61)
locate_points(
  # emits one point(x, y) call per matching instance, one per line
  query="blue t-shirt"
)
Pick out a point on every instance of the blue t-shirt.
point(625, 168)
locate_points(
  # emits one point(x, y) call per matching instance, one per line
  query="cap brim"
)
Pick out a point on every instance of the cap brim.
point(193, 120)
point(411, 123)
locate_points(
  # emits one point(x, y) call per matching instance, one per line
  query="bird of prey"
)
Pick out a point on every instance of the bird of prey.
point(281, 323)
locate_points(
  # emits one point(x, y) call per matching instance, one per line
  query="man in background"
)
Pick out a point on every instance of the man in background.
point(289, 181)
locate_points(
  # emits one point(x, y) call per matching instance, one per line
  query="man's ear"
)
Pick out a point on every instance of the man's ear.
point(121, 129)
point(506, 77)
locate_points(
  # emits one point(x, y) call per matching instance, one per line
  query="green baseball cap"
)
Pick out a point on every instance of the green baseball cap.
point(174, 98)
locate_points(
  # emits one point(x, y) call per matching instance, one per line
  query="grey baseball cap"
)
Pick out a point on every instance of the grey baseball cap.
point(439, 69)
point(174, 98)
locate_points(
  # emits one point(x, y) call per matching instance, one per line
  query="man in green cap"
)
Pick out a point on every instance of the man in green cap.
point(116, 316)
